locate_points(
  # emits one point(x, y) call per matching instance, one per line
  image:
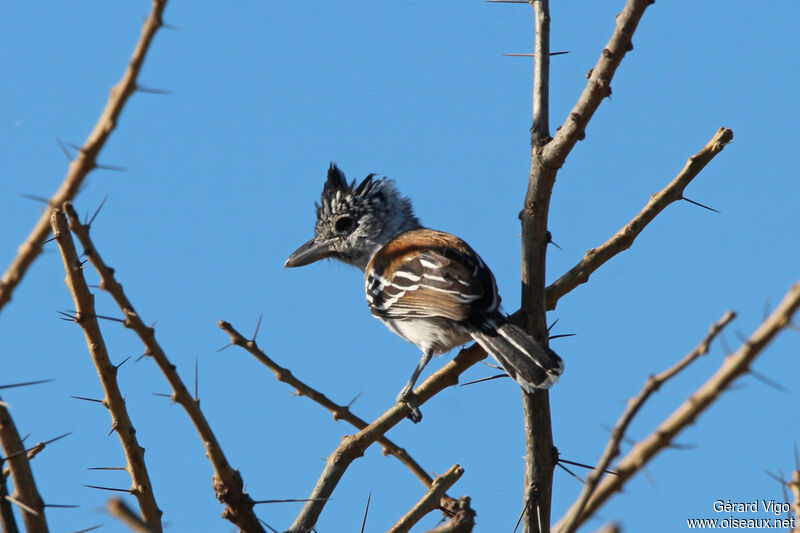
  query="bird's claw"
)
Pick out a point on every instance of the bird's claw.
point(408, 397)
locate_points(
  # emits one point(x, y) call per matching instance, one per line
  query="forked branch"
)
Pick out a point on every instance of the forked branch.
point(340, 412)
point(86, 317)
point(86, 159)
point(228, 483)
point(353, 446)
point(634, 406)
point(697, 403)
point(430, 501)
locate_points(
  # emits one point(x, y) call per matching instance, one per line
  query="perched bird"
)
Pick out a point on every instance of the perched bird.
point(427, 286)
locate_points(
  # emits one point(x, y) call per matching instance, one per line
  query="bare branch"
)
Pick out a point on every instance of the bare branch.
point(541, 455)
point(733, 367)
point(118, 509)
point(598, 86)
point(142, 488)
point(354, 446)
point(24, 485)
point(228, 483)
point(430, 501)
point(624, 238)
point(8, 523)
point(86, 159)
point(463, 521)
point(340, 412)
point(634, 405)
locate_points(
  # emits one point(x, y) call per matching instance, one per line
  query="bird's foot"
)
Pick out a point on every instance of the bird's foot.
point(408, 397)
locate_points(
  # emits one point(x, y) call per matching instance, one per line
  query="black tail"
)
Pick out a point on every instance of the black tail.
point(532, 364)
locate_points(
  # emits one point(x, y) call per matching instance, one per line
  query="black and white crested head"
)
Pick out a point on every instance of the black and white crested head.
point(355, 220)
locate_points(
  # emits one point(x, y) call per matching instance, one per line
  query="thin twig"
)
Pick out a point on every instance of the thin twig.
point(228, 482)
point(339, 412)
point(624, 238)
point(86, 159)
point(733, 367)
point(141, 487)
point(634, 405)
point(24, 484)
point(430, 501)
point(597, 87)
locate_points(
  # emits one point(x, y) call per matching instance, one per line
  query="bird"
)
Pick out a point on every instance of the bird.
point(429, 287)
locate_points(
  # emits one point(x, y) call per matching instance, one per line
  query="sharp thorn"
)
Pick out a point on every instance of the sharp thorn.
point(699, 204)
point(25, 383)
point(98, 487)
point(767, 381)
point(268, 526)
point(64, 149)
point(356, 397)
point(258, 326)
point(51, 441)
point(551, 325)
point(484, 379)
point(290, 500)
point(97, 212)
point(114, 168)
point(366, 512)
point(61, 506)
point(86, 530)
point(571, 473)
point(151, 90)
point(526, 54)
point(225, 347)
point(35, 198)
point(122, 362)
point(107, 468)
point(588, 467)
point(775, 477)
point(87, 399)
point(562, 335)
point(519, 520)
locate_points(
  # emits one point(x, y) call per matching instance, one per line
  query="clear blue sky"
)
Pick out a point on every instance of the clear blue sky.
point(222, 176)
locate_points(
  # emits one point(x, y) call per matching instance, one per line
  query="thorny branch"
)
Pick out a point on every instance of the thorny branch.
point(623, 239)
point(26, 496)
point(228, 483)
point(340, 412)
point(430, 501)
point(85, 315)
point(86, 159)
point(634, 405)
point(547, 156)
point(697, 403)
point(541, 455)
point(353, 446)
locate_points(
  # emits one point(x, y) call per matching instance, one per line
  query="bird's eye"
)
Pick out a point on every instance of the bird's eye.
point(343, 224)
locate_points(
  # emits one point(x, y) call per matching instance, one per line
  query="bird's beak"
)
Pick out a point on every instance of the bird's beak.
point(308, 253)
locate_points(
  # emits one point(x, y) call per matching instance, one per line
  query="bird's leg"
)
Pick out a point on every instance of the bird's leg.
point(407, 396)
